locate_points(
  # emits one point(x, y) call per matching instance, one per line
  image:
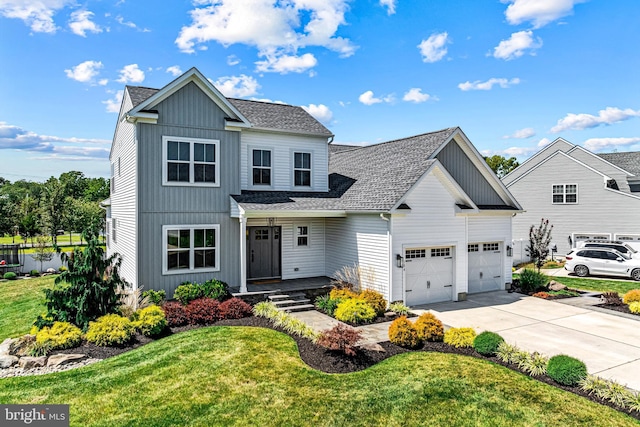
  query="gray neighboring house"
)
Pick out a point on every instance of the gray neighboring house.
point(584, 195)
point(206, 186)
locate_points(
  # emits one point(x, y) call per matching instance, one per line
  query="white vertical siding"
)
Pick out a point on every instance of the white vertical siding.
point(493, 229)
point(282, 148)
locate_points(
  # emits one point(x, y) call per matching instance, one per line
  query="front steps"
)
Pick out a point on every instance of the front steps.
point(291, 302)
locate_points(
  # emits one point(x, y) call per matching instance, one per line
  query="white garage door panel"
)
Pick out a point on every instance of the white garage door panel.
point(485, 267)
point(428, 275)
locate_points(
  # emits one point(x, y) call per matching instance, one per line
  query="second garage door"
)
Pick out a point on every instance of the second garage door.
point(428, 275)
point(485, 267)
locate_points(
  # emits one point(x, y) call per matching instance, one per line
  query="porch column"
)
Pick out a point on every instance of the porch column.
point(243, 254)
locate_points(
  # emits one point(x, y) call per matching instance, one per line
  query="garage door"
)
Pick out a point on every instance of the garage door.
point(485, 267)
point(428, 275)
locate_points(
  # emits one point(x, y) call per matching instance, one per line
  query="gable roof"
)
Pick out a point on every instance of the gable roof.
point(139, 94)
point(629, 161)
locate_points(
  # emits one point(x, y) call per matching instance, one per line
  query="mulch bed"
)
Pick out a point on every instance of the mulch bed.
point(623, 308)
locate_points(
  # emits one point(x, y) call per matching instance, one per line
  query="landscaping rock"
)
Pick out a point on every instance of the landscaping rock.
point(51, 270)
point(390, 314)
point(61, 359)
point(373, 346)
point(5, 346)
point(7, 361)
point(555, 286)
point(20, 346)
point(28, 362)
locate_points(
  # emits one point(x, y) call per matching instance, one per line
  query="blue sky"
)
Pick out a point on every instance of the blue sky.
point(513, 74)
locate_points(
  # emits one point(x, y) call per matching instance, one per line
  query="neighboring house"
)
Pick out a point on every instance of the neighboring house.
point(584, 195)
point(205, 186)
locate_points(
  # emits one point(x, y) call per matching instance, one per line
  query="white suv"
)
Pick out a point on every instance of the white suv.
point(619, 246)
point(602, 261)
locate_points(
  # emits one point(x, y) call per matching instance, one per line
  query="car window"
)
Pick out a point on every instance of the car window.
point(611, 255)
point(618, 248)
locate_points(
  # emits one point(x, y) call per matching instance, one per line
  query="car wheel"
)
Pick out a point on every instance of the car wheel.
point(581, 270)
point(635, 274)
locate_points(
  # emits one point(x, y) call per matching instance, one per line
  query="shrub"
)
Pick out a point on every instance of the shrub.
point(59, 336)
point(531, 280)
point(631, 296)
point(342, 293)
point(487, 343)
point(326, 304)
point(634, 307)
point(543, 295)
point(10, 275)
point(284, 320)
point(354, 311)
point(150, 321)
point(62, 269)
point(403, 333)
point(460, 337)
point(34, 273)
point(110, 330)
point(187, 292)
point(203, 311)
point(215, 289)
point(564, 292)
point(429, 328)
point(611, 298)
point(234, 308)
point(155, 297)
point(399, 308)
point(340, 338)
point(507, 352)
point(566, 370)
point(374, 299)
point(41, 321)
point(175, 313)
point(265, 309)
point(535, 364)
point(37, 349)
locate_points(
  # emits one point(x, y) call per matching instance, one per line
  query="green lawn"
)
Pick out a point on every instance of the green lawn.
point(21, 301)
point(254, 377)
point(600, 285)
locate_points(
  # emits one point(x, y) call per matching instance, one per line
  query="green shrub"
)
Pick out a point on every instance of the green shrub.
point(487, 343)
point(354, 310)
point(566, 370)
point(399, 308)
point(62, 269)
point(507, 352)
point(110, 330)
point(41, 321)
point(531, 280)
point(535, 364)
point(10, 275)
point(429, 327)
point(149, 321)
point(187, 292)
point(215, 289)
point(634, 307)
point(326, 304)
point(59, 336)
point(374, 299)
point(37, 349)
point(631, 296)
point(34, 273)
point(155, 297)
point(460, 337)
point(265, 309)
point(403, 333)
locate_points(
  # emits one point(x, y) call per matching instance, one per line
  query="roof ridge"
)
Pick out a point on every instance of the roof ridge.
point(377, 144)
point(264, 102)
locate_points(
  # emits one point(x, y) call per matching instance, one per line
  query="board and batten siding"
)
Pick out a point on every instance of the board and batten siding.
point(282, 147)
point(124, 198)
point(432, 221)
point(599, 210)
point(361, 239)
point(486, 229)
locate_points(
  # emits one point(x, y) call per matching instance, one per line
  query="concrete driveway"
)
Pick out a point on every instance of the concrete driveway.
point(608, 344)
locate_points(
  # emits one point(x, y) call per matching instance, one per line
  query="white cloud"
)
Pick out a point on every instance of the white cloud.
point(85, 72)
point(81, 22)
point(131, 74)
point(434, 48)
point(390, 5)
point(321, 112)
point(37, 14)
point(113, 104)
point(237, 86)
point(103, 82)
point(275, 28)
point(597, 144)
point(415, 95)
point(538, 12)
point(367, 98)
point(516, 45)
point(174, 70)
point(521, 134)
point(284, 64)
point(488, 85)
point(544, 142)
point(232, 60)
point(582, 121)
point(130, 24)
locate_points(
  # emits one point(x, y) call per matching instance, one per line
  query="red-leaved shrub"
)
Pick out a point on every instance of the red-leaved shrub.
point(234, 308)
point(175, 313)
point(203, 311)
point(340, 338)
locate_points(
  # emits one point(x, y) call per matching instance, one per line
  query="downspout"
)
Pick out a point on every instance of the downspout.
point(389, 257)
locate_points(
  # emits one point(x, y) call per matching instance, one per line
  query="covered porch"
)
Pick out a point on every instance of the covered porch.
point(285, 286)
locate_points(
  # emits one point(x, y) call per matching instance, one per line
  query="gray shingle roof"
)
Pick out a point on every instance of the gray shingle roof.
point(370, 178)
point(139, 94)
point(629, 161)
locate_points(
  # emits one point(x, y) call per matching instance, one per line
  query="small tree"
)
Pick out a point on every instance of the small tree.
point(43, 250)
point(539, 241)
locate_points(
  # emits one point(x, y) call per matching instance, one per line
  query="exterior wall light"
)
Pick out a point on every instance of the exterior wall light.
point(399, 261)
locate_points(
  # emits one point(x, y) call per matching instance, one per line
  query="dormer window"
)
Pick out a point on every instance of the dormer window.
point(302, 169)
point(190, 161)
point(261, 167)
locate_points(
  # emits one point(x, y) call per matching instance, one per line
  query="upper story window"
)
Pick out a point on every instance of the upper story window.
point(565, 194)
point(191, 248)
point(112, 181)
point(302, 169)
point(261, 167)
point(190, 161)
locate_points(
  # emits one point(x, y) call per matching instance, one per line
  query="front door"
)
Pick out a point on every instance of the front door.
point(263, 252)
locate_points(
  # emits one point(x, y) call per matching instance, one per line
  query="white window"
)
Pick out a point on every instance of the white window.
point(114, 224)
point(440, 252)
point(106, 232)
point(302, 169)
point(473, 248)
point(119, 168)
point(491, 247)
point(190, 161)
point(112, 181)
point(261, 167)
point(302, 235)
point(191, 248)
point(565, 194)
point(415, 253)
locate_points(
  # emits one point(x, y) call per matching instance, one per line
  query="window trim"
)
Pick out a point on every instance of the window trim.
point(112, 180)
point(297, 235)
point(191, 141)
point(252, 167)
point(114, 228)
point(191, 228)
point(564, 194)
point(310, 169)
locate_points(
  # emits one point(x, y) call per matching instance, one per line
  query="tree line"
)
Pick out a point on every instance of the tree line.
point(69, 202)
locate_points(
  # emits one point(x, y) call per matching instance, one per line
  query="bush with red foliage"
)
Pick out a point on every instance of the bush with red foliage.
point(175, 313)
point(340, 338)
point(235, 308)
point(203, 311)
point(543, 295)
